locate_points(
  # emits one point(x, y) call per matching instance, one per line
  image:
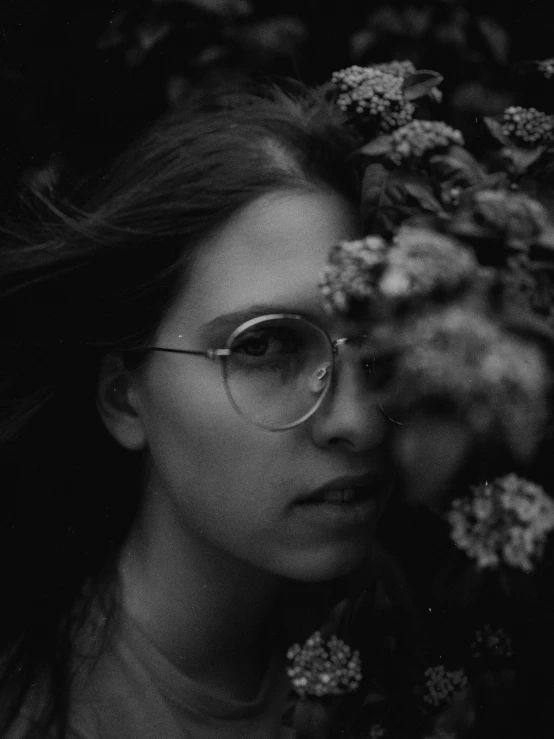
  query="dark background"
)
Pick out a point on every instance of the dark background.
point(78, 83)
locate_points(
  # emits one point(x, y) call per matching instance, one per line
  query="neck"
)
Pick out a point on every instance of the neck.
point(209, 613)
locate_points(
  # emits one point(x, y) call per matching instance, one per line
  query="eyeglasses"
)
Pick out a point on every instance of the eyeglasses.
point(277, 369)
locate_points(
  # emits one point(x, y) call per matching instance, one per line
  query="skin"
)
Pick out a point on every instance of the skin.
point(220, 534)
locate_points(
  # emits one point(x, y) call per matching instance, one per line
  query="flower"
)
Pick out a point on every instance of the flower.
point(374, 95)
point(441, 684)
point(546, 67)
point(422, 262)
point(418, 138)
point(513, 218)
point(527, 126)
point(496, 380)
point(505, 522)
point(494, 641)
point(352, 273)
point(418, 264)
point(324, 668)
point(377, 731)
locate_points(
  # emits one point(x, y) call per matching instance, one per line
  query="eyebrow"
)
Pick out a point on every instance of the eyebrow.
point(227, 323)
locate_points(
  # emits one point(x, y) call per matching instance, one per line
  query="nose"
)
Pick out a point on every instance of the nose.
point(350, 416)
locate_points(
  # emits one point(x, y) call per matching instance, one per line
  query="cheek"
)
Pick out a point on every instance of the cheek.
point(196, 441)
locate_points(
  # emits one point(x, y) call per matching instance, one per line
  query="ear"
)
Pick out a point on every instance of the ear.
point(116, 403)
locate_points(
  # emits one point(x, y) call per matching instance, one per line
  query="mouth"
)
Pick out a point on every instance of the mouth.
point(345, 490)
point(345, 500)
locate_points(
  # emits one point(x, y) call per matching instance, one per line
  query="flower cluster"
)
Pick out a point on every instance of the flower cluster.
point(324, 668)
point(527, 126)
point(376, 96)
point(353, 272)
point(419, 263)
point(505, 522)
point(420, 138)
point(491, 641)
point(512, 218)
point(422, 263)
point(496, 380)
point(377, 731)
point(546, 67)
point(441, 684)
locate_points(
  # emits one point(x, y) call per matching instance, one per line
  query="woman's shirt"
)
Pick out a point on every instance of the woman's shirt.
point(134, 692)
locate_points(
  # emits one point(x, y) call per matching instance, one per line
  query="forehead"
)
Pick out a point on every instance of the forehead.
point(270, 253)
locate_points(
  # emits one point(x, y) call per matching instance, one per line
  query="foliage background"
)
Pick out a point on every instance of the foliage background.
point(78, 82)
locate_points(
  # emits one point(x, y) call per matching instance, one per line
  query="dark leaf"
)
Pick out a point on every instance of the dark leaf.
point(421, 192)
point(496, 38)
point(521, 159)
point(546, 239)
point(420, 83)
point(373, 190)
point(392, 196)
point(312, 719)
point(495, 129)
point(457, 167)
point(377, 147)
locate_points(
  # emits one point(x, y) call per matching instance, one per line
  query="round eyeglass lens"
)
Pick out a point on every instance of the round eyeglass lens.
point(278, 370)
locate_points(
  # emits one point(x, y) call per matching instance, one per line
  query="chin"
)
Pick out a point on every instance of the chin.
point(328, 563)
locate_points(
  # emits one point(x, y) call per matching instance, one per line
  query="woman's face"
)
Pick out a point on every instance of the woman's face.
point(237, 490)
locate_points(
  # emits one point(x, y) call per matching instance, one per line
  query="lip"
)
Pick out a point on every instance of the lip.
point(367, 482)
point(346, 516)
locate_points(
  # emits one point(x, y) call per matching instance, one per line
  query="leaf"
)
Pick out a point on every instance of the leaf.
point(496, 37)
point(495, 129)
point(457, 167)
point(420, 83)
point(521, 159)
point(546, 239)
point(380, 145)
point(312, 719)
point(373, 190)
point(424, 196)
point(389, 197)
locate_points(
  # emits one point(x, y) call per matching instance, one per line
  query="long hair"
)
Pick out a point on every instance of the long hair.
point(93, 277)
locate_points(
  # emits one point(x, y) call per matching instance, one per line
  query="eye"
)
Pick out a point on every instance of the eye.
point(266, 342)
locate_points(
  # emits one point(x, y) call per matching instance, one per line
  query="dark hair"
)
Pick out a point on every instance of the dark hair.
point(97, 280)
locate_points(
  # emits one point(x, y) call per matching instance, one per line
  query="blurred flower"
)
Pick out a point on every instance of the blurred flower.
point(376, 731)
point(419, 263)
point(494, 641)
point(527, 126)
point(513, 218)
point(505, 522)
point(546, 67)
point(353, 272)
point(422, 262)
point(376, 96)
point(441, 684)
point(324, 668)
point(418, 138)
point(497, 381)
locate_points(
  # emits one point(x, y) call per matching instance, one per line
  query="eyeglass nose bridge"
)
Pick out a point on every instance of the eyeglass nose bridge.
point(321, 379)
point(337, 343)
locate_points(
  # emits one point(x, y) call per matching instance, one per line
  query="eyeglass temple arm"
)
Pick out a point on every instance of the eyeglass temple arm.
point(214, 354)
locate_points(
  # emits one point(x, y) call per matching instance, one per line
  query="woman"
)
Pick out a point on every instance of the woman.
point(183, 437)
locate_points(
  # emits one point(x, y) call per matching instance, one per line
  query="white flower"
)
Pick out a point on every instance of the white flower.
point(324, 668)
point(441, 684)
point(520, 517)
point(418, 138)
